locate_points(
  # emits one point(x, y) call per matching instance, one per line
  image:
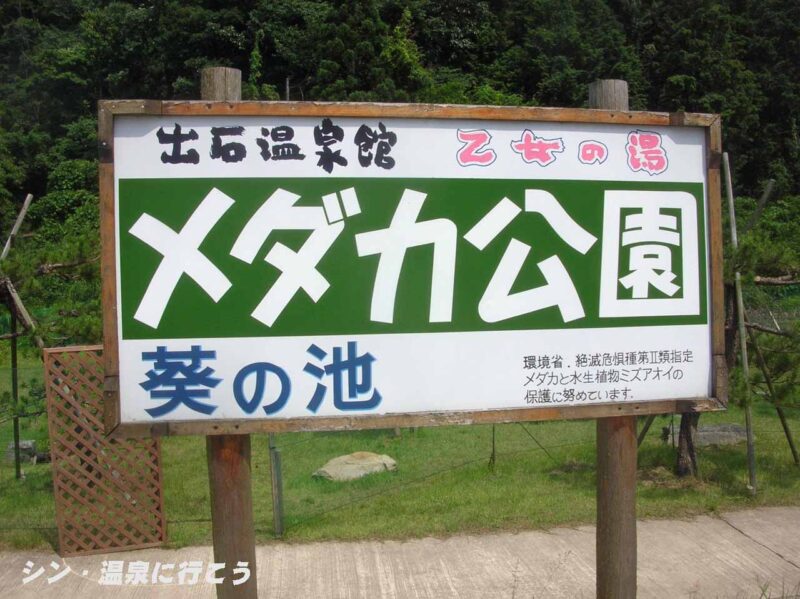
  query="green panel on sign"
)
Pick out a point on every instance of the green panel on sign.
point(345, 307)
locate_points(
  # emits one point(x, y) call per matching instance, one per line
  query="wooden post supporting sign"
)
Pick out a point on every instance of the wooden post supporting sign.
point(616, 452)
point(229, 455)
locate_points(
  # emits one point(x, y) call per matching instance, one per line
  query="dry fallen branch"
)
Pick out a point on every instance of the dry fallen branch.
point(46, 269)
point(763, 329)
point(789, 279)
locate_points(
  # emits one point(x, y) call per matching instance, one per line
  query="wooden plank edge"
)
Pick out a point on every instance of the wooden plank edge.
point(341, 423)
point(135, 106)
point(108, 269)
point(404, 110)
point(72, 349)
point(715, 259)
point(693, 119)
point(54, 455)
point(421, 111)
point(105, 133)
point(111, 406)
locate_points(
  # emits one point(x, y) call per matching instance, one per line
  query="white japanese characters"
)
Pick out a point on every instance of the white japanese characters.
point(638, 223)
point(498, 303)
point(391, 243)
point(181, 256)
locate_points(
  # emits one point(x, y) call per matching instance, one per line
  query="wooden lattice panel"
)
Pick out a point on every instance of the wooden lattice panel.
point(108, 492)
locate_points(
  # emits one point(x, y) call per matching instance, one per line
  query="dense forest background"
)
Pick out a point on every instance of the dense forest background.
point(740, 58)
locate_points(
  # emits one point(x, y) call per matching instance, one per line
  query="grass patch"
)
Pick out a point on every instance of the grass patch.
point(443, 485)
point(27, 512)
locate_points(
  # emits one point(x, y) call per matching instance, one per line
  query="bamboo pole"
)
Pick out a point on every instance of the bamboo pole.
point(748, 415)
point(17, 224)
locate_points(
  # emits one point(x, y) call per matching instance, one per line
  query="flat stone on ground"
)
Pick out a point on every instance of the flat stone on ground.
point(356, 465)
point(720, 434)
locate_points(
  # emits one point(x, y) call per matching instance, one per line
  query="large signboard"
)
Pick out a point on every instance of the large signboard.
point(278, 266)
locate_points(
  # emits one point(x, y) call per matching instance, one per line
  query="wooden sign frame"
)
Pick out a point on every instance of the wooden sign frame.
point(109, 109)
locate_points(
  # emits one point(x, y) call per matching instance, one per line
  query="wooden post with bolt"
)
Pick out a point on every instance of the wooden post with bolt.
point(229, 455)
point(616, 452)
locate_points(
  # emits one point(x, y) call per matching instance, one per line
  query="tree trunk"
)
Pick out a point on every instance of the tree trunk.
point(687, 459)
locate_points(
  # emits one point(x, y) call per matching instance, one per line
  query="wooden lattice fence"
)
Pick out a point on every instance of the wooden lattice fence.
point(108, 493)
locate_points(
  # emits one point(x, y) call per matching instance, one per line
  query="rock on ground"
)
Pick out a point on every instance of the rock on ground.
point(355, 465)
point(719, 434)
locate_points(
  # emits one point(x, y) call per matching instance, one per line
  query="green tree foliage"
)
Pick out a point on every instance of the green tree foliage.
point(551, 55)
point(740, 58)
